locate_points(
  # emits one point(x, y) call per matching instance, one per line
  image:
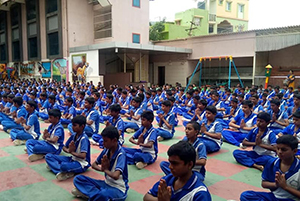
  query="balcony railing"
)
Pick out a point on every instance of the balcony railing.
point(212, 17)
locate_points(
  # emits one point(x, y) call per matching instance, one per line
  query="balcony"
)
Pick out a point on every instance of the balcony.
point(212, 17)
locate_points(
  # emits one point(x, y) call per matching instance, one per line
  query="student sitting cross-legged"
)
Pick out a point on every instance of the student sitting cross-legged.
point(146, 138)
point(210, 131)
point(78, 145)
point(30, 126)
point(183, 183)
point(280, 175)
point(111, 161)
point(192, 130)
point(166, 122)
point(53, 139)
point(263, 140)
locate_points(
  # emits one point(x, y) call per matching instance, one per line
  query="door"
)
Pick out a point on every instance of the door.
point(161, 75)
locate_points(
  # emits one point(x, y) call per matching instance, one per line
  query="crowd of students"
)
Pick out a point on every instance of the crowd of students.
point(266, 119)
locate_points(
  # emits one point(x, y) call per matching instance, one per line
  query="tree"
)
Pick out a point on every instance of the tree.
point(155, 31)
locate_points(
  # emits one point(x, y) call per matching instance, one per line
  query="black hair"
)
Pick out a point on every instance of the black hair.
point(215, 93)
point(172, 99)
point(11, 96)
point(137, 99)
point(32, 104)
point(70, 100)
point(169, 93)
point(80, 120)
point(296, 114)
point(248, 103)
point(195, 125)
point(234, 100)
point(54, 113)
point(110, 96)
point(124, 92)
point(184, 150)
point(289, 140)
point(97, 94)
point(255, 96)
point(18, 100)
point(275, 101)
point(90, 100)
point(52, 97)
point(141, 96)
point(148, 115)
point(265, 95)
point(44, 94)
point(264, 116)
point(190, 92)
point(203, 102)
point(196, 97)
point(211, 109)
point(167, 103)
point(279, 95)
point(115, 108)
point(148, 93)
point(110, 132)
point(82, 93)
point(33, 94)
point(297, 95)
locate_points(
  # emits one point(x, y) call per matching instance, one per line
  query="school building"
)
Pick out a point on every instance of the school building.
point(108, 41)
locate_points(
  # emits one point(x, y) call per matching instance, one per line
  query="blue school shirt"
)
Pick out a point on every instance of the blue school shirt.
point(21, 112)
point(71, 110)
point(117, 162)
point(194, 189)
point(290, 130)
point(281, 115)
point(268, 138)
point(258, 108)
point(82, 145)
point(33, 121)
point(292, 177)
point(289, 110)
point(170, 118)
point(119, 124)
point(136, 112)
point(149, 136)
point(200, 153)
point(214, 127)
point(250, 121)
point(58, 131)
point(94, 116)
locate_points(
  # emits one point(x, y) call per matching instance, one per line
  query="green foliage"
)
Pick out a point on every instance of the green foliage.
point(155, 31)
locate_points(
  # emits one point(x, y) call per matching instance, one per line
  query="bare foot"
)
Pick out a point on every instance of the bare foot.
point(259, 167)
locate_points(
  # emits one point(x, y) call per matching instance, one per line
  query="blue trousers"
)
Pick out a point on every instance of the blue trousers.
point(210, 145)
point(97, 189)
point(187, 116)
point(4, 117)
point(8, 124)
point(20, 134)
point(65, 121)
point(163, 133)
point(40, 147)
point(233, 137)
point(103, 118)
point(128, 124)
point(63, 164)
point(259, 196)
point(136, 155)
point(98, 138)
point(87, 129)
point(43, 116)
point(249, 158)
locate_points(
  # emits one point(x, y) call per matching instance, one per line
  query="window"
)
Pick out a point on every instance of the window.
point(16, 32)
point(136, 38)
point(33, 34)
point(3, 32)
point(221, 2)
point(178, 22)
point(53, 24)
point(197, 21)
point(136, 3)
point(241, 8)
point(211, 28)
point(103, 22)
point(228, 6)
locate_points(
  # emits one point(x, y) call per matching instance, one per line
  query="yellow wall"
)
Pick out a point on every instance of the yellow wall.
point(221, 9)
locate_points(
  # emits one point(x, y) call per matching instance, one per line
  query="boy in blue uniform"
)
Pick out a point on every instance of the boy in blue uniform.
point(241, 124)
point(280, 175)
point(69, 112)
point(263, 140)
point(48, 105)
point(20, 113)
point(166, 122)
point(53, 139)
point(92, 118)
point(279, 118)
point(183, 183)
point(31, 126)
point(111, 161)
point(146, 138)
point(134, 115)
point(114, 120)
point(78, 145)
point(192, 130)
point(211, 130)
